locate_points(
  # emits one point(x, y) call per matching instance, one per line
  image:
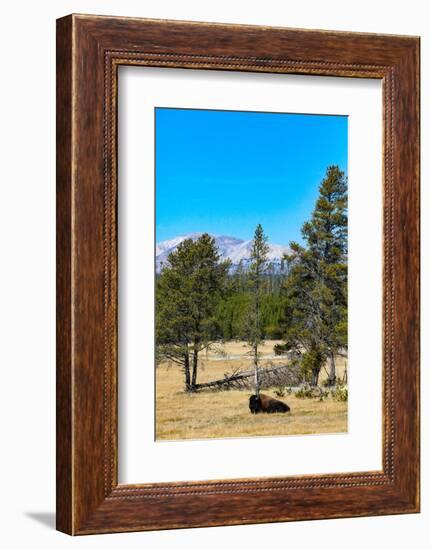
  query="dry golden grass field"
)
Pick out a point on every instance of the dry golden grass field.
point(222, 414)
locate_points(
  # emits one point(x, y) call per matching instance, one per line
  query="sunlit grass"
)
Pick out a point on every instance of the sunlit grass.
point(222, 414)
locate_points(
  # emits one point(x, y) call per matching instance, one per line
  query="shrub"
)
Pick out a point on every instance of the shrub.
point(273, 332)
point(280, 349)
point(305, 393)
point(311, 392)
point(280, 391)
point(340, 394)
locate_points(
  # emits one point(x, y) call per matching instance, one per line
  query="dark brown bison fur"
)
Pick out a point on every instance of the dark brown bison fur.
point(267, 404)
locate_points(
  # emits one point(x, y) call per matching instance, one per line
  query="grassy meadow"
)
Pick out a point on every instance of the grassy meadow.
point(222, 414)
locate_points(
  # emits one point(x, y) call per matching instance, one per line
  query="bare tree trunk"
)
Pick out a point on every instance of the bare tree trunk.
point(187, 371)
point(256, 371)
point(256, 336)
point(332, 373)
point(315, 376)
point(195, 366)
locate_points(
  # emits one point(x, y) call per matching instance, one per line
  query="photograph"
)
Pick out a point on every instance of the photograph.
point(216, 272)
point(251, 273)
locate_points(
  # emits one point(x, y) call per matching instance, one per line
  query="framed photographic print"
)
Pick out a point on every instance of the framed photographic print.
point(237, 274)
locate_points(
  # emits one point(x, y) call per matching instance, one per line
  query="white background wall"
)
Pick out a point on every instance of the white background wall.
point(27, 274)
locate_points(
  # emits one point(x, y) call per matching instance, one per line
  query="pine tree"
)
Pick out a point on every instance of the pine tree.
point(327, 238)
point(258, 258)
point(187, 295)
point(317, 284)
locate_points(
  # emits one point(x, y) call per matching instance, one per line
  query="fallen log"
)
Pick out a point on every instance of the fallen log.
point(284, 375)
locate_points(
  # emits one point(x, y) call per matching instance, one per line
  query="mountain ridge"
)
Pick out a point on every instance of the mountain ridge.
point(229, 247)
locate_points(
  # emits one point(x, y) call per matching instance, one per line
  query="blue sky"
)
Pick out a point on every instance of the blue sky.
point(224, 172)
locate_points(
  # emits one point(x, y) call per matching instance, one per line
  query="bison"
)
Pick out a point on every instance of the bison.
point(267, 404)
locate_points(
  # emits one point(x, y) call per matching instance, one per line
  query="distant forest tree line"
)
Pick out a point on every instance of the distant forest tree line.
point(202, 299)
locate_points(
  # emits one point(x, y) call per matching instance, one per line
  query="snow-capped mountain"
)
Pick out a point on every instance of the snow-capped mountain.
point(230, 248)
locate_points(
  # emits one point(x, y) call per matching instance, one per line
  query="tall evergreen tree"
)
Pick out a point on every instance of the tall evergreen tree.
point(187, 294)
point(258, 258)
point(317, 284)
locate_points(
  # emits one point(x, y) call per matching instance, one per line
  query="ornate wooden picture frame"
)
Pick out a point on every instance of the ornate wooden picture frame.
point(89, 51)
